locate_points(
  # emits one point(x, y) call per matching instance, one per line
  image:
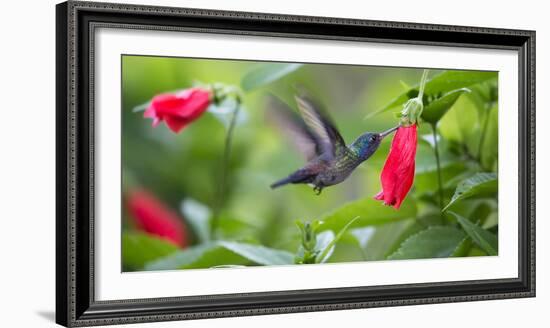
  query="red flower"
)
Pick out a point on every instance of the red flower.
point(398, 172)
point(178, 109)
point(155, 218)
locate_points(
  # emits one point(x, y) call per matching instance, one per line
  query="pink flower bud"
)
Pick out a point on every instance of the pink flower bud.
point(155, 218)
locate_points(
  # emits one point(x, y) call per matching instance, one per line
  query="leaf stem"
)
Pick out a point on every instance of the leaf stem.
point(438, 163)
point(224, 172)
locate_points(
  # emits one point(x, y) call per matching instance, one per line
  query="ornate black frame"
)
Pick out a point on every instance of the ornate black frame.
point(76, 23)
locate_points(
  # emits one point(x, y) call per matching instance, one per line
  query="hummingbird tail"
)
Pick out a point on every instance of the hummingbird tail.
point(300, 176)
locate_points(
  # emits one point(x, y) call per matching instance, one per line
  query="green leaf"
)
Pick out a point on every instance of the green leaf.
point(481, 184)
point(483, 238)
point(370, 212)
point(433, 242)
point(484, 95)
point(265, 74)
point(234, 229)
point(140, 248)
point(259, 254)
point(404, 85)
point(201, 256)
point(437, 108)
point(442, 83)
point(387, 238)
point(463, 248)
point(222, 253)
point(329, 248)
point(491, 221)
point(198, 217)
point(383, 238)
point(324, 242)
point(363, 235)
point(347, 249)
point(476, 251)
point(479, 212)
point(461, 124)
point(453, 79)
point(425, 159)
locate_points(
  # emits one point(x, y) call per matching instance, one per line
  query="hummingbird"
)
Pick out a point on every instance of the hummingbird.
point(329, 160)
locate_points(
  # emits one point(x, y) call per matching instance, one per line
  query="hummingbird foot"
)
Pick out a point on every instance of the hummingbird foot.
point(318, 189)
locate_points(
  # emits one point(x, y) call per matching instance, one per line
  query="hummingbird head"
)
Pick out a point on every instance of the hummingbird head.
point(369, 142)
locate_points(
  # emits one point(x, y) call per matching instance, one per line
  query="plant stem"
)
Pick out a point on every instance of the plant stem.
point(423, 81)
point(438, 163)
point(224, 172)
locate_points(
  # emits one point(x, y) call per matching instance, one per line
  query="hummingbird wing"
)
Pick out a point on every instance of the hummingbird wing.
point(326, 134)
point(293, 126)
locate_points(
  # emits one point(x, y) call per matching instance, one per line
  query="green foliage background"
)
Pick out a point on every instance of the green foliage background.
point(257, 225)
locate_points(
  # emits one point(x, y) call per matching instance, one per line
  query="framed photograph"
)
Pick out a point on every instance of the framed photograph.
point(215, 164)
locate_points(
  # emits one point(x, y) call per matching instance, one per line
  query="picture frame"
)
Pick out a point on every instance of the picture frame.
point(76, 152)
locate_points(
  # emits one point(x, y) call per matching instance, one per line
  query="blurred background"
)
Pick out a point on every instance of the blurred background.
point(178, 175)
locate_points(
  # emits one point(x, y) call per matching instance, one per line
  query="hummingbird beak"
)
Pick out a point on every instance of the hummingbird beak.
point(385, 133)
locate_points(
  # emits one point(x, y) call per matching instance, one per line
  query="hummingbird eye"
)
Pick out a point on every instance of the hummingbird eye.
point(373, 137)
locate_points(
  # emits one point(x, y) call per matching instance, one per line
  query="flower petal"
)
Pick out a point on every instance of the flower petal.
point(150, 112)
point(176, 124)
point(193, 104)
